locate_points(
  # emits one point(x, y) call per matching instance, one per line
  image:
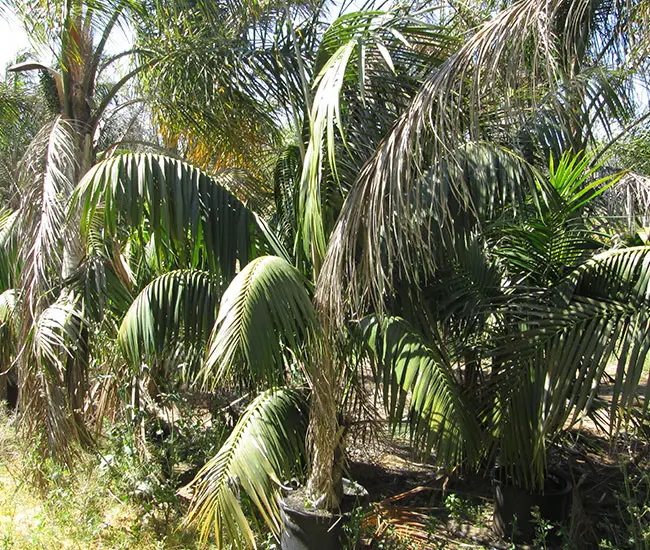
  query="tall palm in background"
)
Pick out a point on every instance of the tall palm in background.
point(52, 351)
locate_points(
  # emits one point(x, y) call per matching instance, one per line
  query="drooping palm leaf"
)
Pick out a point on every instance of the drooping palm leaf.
point(477, 94)
point(177, 305)
point(365, 256)
point(265, 317)
point(189, 212)
point(557, 353)
point(374, 57)
point(47, 180)
point(48, 377)
point(417, 376)
point(264, 449)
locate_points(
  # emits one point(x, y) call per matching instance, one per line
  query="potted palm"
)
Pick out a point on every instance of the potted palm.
point(267, 339)
point(511, 294)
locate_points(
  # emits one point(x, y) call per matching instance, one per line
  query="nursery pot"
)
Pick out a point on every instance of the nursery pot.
point(305, 529)
point(310, 529)
point(513, 506)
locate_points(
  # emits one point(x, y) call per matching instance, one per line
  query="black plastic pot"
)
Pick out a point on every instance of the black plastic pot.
point(307, 530)
point(513, 518)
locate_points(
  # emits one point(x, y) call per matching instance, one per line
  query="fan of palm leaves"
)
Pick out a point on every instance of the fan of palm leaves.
point(189, 212)
point(265, 320)
point(264, 449)
point(177, 301)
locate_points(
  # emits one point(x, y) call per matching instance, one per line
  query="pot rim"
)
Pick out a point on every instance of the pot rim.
point(325, 514)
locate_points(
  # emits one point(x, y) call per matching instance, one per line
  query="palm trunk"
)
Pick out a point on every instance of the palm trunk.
point(325, 484)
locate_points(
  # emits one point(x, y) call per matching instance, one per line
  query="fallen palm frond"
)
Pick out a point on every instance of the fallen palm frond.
point(408, 524)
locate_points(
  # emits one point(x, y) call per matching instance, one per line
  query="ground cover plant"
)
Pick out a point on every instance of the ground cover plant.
point(403, 215)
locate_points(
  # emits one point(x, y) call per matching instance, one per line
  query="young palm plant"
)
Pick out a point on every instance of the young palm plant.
point(494, 258)
point(267, 333)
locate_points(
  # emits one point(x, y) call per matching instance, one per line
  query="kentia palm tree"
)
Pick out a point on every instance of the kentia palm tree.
point(466, 168)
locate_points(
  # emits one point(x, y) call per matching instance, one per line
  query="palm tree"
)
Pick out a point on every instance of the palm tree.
point(52, 351)
point(474, 168)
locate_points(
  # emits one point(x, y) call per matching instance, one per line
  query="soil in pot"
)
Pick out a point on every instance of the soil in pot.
point(513, 508)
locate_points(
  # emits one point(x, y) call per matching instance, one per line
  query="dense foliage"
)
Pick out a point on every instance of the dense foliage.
point(427, 196)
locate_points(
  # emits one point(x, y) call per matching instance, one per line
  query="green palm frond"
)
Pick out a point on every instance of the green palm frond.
point(364, 54)
point(190, 213)
point(556, 353)
point(418, 377)
point(265, 317)
point(575, 178)
point(265, 448)
point(177, 305)
point(286, 178)
point(9, 328)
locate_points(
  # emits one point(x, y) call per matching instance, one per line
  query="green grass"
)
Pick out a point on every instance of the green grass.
point(92, 507)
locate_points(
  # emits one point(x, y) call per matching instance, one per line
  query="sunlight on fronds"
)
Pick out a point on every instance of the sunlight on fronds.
point(265, 317)
point(511, 70)
point(354, 48)
point(265, 449)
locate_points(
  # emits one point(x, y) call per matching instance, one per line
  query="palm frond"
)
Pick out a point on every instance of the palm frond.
point(180, 305)
point(190, 213)
point(265, 448)
point(49, 345)
point(47, 181)
point(265, 317)
point(372, 57)
point(475, 95)
point(417, 376)
point(366, 257)
point(557, 351)
point(106, 297)
point(286, 178)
